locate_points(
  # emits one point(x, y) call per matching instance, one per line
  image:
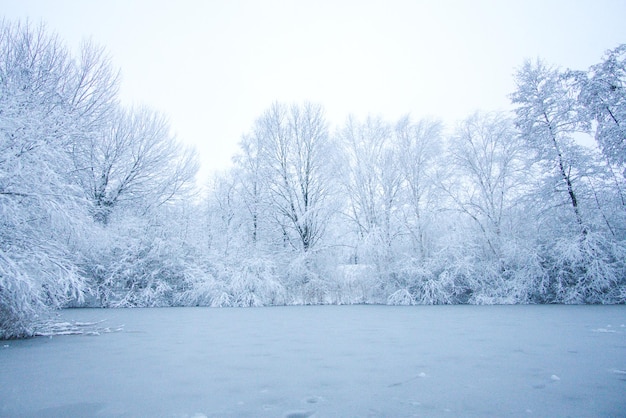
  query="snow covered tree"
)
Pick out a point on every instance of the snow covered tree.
point(296, 158)
point(582, 263)
point(66, 148)
point(253, 185)
point(603, 93)
point(548, 115)
point(489, 176)
point(224, 213)
point(378, 214)
point(489, 187)
point(420, 145)
point(92, 91)
point(41, 211)
point(134, 162)
point(371, 181)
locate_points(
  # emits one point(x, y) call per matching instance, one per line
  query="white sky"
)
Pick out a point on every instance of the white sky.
point(214, 66)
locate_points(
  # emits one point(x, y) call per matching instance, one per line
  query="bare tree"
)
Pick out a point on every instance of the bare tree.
point(548, 114)
point(419, 148)
point(372, 179)
point(489, 161)
point(251, 178)
point(297, 161)
point(92, 88)
point(223, 213)
point(135, 161)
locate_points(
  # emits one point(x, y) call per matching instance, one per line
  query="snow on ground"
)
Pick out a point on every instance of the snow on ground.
point(324, 361)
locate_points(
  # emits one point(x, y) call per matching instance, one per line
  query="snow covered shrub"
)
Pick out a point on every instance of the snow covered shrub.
point(619, 294)
point(254, 282)
point(304, 283)
point(401, 297)
point(586, 269)
point(524, 278)
point(436, 289)
point(37, 270)
point(422, 283)
point(135, 277)
point(516, 276)
point(355, 283)
point(17, 310)
point(490, 286)
point(28, 289)
point(244, 282)
point(137, 265)
point(202, 289)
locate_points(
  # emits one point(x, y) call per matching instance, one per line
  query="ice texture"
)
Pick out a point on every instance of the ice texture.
point(324, 361)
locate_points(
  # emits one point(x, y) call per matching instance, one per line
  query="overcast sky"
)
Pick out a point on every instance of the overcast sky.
point(214, 66)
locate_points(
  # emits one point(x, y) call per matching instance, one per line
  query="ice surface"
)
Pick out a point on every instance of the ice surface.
point(324, 361)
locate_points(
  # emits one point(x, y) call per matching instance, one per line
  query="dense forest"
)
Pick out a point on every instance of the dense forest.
point(99, 207)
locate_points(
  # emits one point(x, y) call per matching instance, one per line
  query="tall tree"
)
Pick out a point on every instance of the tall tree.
point(548, 115)
point(419, 148)
point(489, 161)
point(41, 213)
point(250, 174)
point(297, 163)
point(372, 182)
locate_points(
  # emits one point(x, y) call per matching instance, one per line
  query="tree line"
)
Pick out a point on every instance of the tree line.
point(98, 208)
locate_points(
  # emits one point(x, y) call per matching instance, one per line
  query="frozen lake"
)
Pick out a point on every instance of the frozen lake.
point(325, 361)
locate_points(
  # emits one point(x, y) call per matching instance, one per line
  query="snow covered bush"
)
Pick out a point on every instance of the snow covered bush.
point(355, 283)
point(515, 276)
point(420, 283)
point(136, 274)
point(204, 290)
point(401, 297)
point(245, 282)
point(254, 282)
point(138, 263)
point(30, 285)
point(586, 269)
point(39, 255)
point(305, 281)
